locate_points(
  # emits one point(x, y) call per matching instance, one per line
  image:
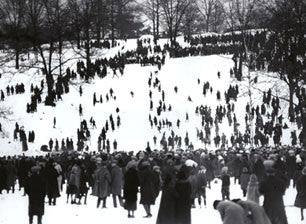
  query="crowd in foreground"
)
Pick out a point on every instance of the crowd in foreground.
point(180, 176)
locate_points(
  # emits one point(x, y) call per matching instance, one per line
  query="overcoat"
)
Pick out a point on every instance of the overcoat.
point(255, 213)
point(102, 180)
point(116, 176)
point(300, 200)
point(231, 213)
point(35, 188)
point(273, 189)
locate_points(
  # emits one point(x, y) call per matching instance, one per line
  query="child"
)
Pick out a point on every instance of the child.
point(225, 183)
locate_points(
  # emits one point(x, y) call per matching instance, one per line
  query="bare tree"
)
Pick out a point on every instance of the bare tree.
point(173, 12)
point(206, 8)
point(152, 10)
point(12, 12)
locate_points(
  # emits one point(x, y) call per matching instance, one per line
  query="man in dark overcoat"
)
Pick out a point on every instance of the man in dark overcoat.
point(35, 188)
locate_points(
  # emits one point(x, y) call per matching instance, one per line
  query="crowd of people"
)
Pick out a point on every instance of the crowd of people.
point(180, 176)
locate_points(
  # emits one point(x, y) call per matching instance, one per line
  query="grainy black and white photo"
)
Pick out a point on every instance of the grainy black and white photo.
point(152, 111)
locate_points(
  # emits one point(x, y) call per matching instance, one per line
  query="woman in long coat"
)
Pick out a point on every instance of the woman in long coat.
point(130, 188)
point(102, 180)
point(35, 187)
point(146, 181)
point(116, 184)
point(11, 176)
point(300, 200)
point(252, 189)
point(273, 189)
point(167, 212)
point(50, 174)
point(183, 202)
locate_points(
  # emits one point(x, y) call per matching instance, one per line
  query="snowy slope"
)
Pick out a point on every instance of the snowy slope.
point(135, 130)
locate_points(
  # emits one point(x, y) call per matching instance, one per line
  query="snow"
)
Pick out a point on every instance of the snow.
point(13, 209)
point(135, 130)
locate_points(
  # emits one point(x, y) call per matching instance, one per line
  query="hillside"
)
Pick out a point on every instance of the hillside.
point(131, 91)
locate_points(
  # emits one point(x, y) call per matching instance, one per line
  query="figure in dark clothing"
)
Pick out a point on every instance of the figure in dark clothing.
point(35, 189)
point(273, 188)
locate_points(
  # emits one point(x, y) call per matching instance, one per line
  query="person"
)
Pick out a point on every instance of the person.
point(231, 212)
point(102, 180)
point(252, 189)
point(73, 183)
point(225, 183)
point(202, 182)
point(166, 212)
point(35, 188)
point(183, 202)
point(116, 184)
point(51, 174)
point(244, 180)
point(147, 194)
point(255, 214)
point(300, 200)
point(273, 189)
point(130, 188)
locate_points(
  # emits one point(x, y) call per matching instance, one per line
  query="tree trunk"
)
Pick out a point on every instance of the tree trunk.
point(17, 58)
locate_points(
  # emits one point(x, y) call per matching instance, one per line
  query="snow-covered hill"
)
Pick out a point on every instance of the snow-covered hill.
point(135, 129)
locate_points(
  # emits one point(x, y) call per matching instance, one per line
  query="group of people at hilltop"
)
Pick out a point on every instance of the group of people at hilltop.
point(180, 177)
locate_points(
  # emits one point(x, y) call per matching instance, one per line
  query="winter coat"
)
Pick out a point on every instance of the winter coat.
point(194, 185)
point(273, 189)
point(231, 213)
point(183, 202)
point(35, 188)
point(166, 211)
point(209, 169)
point(3, 177)
point(259, 170)
point(291, 163)
point(74, 177)
point(244, 180)
point(300, 200)
point(102, 180)
point(147, 194)
point(252, 190)
point(50, 174)
point(201, 180)
point(60, 177)
point(131, 183)
point(11, 175)
point(117, 177)
point(255, 213)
